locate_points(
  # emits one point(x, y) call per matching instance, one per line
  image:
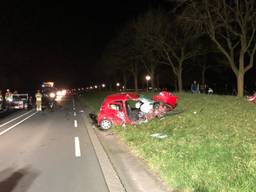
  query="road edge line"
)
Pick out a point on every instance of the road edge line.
point(111, 177)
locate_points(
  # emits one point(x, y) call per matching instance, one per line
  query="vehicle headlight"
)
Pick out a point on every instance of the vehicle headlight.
point(58, 98)
point(52, 95)
point(59, 93)
point(64, 92)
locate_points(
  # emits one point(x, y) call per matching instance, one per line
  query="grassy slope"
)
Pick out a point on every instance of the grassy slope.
point(210, 147)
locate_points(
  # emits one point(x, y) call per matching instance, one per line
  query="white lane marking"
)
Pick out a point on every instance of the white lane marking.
point(74, 103)
point(8, 129)
point(77, 147)
point(75, 123)
point(74, 113)
point(14, 119)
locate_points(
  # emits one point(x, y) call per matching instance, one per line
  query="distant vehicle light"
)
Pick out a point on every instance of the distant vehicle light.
point(52, 95)
point(58, 98)
point(63, 92)
point(59, 93)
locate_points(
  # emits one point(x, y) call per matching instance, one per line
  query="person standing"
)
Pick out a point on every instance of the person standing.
point(194, 87)
point(38, 101)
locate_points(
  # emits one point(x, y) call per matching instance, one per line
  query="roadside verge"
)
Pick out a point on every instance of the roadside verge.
point(131, 172)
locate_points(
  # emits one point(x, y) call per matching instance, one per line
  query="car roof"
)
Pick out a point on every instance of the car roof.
point(122, 96)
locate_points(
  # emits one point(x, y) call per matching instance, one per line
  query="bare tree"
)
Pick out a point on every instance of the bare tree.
point(177, 46)
point(164, 41)
point(122, 56)
point(231, 25)
point(147, 29)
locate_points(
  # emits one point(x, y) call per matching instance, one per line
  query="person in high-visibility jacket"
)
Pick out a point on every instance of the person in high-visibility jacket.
point(38, 101)
point(8, 96)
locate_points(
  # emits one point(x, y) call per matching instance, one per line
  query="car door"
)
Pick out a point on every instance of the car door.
point(115, 110)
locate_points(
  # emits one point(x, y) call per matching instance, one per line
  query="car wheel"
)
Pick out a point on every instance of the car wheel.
point(105, 124)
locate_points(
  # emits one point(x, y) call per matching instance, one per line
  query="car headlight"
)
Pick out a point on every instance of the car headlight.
point(52, 95)
point(58, 93)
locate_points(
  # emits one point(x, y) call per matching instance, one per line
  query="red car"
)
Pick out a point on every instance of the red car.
point(132, 108)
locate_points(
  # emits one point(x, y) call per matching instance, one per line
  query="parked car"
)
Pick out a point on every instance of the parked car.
point(19, 101)
point(132, 108)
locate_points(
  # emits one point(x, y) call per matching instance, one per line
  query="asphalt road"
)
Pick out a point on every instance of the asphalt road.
point(48, 152)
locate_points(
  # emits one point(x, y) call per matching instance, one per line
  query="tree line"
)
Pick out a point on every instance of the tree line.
point(183, 37)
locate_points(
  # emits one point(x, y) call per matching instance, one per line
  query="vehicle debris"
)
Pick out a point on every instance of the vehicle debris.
point(252, 98)
point(159, 135)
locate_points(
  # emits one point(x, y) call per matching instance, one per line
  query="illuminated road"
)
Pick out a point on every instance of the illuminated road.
point(48, 152)
point(61, 152)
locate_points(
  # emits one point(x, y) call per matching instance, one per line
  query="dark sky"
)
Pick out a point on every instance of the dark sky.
point(60, 41)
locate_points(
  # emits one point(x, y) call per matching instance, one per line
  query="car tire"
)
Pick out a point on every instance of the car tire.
point(105, 124)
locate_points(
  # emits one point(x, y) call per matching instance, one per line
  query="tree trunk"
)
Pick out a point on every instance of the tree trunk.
point(240, 83)
point(175, 85)
point(179, 76)
point(135, 75)
point(152, 74)
point(125, 80)
point(157, 82)
point(136, 83)
point(203, 73)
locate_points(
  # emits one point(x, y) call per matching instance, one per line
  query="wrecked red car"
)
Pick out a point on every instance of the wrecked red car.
point(132, 108)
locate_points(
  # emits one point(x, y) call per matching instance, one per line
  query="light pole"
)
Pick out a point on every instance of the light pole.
point(147, 79)
point(117, 86)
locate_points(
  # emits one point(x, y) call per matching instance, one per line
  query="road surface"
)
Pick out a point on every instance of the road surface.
point(48, 152)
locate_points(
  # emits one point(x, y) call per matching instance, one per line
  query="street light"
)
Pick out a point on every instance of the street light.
point(103, 85)
point(117, 84)
point(147, 79)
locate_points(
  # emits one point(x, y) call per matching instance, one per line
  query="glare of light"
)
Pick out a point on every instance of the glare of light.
point(58, 93)
point(123, 87)
point(103, 85)
point(91, 87)
point(63, 92)
point(95, 86)
point(117, 84)
point(78, 89)
point(147, 77)
point(58, 98)
point(82, 88)
point(52, 95)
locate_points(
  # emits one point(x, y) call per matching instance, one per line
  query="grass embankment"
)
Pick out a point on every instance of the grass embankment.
point(210, 147)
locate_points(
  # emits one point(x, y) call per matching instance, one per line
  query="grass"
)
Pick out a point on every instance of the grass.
point(210, 147)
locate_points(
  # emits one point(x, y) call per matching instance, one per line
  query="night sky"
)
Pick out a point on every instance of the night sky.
point(60, 41)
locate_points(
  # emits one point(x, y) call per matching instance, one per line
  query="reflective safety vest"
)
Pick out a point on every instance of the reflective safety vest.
point(38, 97)
point(8, 97)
